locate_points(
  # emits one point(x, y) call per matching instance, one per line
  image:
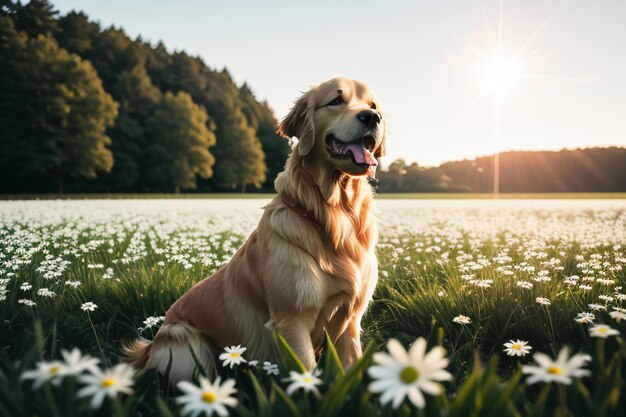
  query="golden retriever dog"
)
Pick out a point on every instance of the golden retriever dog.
point(310, 265)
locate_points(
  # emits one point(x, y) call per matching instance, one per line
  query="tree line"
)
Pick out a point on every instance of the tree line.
point(578, 170)
point(86, 108)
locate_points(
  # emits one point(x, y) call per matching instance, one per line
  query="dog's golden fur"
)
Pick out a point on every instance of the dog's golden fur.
point(292, 275)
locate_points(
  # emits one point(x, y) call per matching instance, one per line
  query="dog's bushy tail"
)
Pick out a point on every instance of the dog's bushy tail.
point(137, 352)
point(177, 348)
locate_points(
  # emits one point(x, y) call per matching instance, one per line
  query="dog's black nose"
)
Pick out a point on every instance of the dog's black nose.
point(368, 117)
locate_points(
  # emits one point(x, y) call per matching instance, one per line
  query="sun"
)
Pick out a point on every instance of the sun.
point(500, 73)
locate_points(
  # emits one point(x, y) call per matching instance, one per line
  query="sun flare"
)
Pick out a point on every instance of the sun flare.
point(500, 73)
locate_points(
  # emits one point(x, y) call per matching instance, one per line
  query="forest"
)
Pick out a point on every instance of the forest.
point(87, 109)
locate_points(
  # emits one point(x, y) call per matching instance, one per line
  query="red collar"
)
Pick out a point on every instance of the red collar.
point(307, 214)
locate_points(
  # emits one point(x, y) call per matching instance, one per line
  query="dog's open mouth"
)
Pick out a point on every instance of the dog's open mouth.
point(359, 150)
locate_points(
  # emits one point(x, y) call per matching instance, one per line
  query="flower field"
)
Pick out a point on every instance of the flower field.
point(501, 308)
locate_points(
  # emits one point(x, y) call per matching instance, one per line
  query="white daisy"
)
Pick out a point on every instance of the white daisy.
point(399, 373)
point(112, 381)
point(585, 318)
point(88, 306)
point(151, 322)
point(617, 315)
point(73, 284)
point(562, 370)
point(543, 301)
point(76, 363)
point(307, 381)
point(45, 292)
point(207, 398)
point(524, 284)
point(270, 368)
point(603, 331)
point(517, 348)
point(52, 371)
point(108, 274)
point(461, 319)
point(232, 356)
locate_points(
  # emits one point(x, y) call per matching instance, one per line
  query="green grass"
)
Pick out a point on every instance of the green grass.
point(431, 264)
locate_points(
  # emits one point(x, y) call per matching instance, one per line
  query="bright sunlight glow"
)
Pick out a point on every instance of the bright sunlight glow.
point(500, 74)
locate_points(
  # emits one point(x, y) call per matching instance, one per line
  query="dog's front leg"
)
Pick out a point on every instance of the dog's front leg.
point(349, 343)
point(297, 332)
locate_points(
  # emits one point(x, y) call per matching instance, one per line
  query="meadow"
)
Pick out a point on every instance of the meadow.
point(466, 275)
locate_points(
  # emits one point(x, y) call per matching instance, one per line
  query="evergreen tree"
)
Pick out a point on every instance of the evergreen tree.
point(238, 152)
point(138, 98)
point(113, 53)
point(180, 141)
point(77, 34)
point(240, 157)
point(128, 143)
point(135, 92)
point(37, 17)
point(54, 110)
point(261, 118)
point(121, 62)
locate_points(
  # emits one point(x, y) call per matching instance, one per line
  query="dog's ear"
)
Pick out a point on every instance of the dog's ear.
point(382, 148)
point(299, 123)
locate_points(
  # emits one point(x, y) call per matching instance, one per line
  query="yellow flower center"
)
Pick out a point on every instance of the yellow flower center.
point(54, 370)
point(555, 370)
point(234, 355)
point(516, 347)
point(107, 382)
point(307, 380)
point(409, 374)
point(602, 329)
point(208, 397)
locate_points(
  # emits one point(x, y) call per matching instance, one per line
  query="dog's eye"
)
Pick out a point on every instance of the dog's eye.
point(373, 106)
point(336, 101)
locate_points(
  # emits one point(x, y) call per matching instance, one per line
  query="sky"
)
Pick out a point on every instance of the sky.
point(457, 79)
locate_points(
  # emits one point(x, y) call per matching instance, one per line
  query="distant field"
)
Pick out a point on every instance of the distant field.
point(413, 196)
point(479, 196)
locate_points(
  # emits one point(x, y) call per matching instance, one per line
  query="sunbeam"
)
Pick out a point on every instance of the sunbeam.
point(541, 27)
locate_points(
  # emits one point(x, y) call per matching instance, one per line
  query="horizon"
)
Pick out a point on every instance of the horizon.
point(547, 86)
point(505, 151)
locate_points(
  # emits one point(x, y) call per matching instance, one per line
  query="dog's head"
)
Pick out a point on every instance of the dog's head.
point(340, 124)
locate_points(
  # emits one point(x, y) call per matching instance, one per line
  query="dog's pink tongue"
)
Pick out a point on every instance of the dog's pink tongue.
point(361, 155)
